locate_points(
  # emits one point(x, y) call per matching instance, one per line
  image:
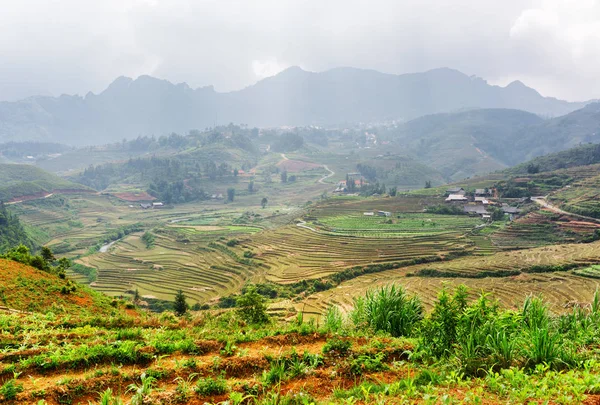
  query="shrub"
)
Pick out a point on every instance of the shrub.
point(337, 345)
point(252, 308)
point(211, 386)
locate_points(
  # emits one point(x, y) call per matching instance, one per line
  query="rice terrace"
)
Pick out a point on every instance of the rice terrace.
point(344, 237)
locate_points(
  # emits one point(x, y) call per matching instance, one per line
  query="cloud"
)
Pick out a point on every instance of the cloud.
point(267, 68)
point(72, 46)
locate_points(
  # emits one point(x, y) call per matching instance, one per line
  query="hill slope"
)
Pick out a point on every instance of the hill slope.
point(17, 180)
point(294, 97)
point(25, 288)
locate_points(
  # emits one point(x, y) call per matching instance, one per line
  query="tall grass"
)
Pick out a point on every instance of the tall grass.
point(390, 310)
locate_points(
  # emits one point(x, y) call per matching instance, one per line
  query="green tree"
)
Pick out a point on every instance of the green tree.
point(180, 305)
point(428, 184)
point(235, 172)
point(284, 176)
point(251, 187)
point(230, 194)
point(47, 254)
point(252, 308)
point(264, 202)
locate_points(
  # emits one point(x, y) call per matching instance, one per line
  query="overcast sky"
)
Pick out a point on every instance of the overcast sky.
point(74, 46)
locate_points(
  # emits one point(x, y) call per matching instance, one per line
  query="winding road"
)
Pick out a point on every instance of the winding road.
point(542, 202)
point(331, 173)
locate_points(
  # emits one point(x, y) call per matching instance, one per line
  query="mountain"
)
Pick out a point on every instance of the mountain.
point(467, 143)
point(146, 105)
point(480, 141)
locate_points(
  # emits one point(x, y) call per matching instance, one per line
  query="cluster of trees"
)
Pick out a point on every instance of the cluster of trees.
point(12, 232)
point(232, 135)
point(45, 261)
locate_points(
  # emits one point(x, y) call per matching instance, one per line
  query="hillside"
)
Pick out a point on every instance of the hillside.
point(20, 180)
point(295, 97)
point(481, 141)
point(12, 232)
point(25, 288)
point(466, 143)
point(578, 156)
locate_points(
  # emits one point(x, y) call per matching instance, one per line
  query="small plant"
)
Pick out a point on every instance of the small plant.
point(141, 391)
point(107, 398)
point(333, 319)
point(211, 386)
point(337, 346)
point(184, 388)
point(229, 349)
point(10, 389)
point(275, 375)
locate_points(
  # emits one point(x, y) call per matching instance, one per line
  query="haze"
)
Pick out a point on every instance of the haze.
point(72, 47)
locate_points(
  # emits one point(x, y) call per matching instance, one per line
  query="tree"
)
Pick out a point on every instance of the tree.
point(284, 176)
point(235, 172)
point(252, 308)
point(230, 194)
point(264, 202)
point(428, 184)
point(136, 296)
point(47, 254)
point(393, 191)
point(251, 187)
point(180, 305)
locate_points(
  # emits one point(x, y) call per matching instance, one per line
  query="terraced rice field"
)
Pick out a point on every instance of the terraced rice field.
point(292, 254)
point(399, 225)
point(559, 287)
point(202, 273)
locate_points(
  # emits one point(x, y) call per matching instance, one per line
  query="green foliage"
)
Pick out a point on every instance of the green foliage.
point(211, 386)
point(149, 240)
point(180, 305)
point(390, 310)
point(10, 389)
point(251, 307)
point(439, 331)
point(12, 233)
point(337, 346)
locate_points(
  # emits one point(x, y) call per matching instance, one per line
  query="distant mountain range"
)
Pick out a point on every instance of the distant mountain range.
point(146, 105)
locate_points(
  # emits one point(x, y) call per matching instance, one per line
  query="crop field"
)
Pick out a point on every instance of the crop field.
point(290, 254)
point(510, 276)
point(582, 197)
point(406, 224)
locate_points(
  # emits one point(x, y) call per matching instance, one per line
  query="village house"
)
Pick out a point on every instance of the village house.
point(482, 192)
point(452, 198)
point(475, 210)
point(157, 205)
point(384, 214)
point(481, 200)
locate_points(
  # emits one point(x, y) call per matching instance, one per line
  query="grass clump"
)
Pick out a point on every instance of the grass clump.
point(211, 386)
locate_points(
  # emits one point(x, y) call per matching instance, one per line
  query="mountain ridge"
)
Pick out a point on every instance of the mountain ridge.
point(150, 106)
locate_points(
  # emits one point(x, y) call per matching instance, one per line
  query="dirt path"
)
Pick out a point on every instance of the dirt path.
point(284, 157)
point(542, 202)
point(331, 173)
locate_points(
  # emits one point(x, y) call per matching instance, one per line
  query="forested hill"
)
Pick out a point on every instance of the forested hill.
point(582, 155)
point(294, 97)
point(12, 232)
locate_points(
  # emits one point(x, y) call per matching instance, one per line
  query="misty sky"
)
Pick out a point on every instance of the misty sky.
point(74, 46)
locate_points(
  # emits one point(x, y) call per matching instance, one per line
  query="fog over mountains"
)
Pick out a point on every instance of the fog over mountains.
point(146, 105)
